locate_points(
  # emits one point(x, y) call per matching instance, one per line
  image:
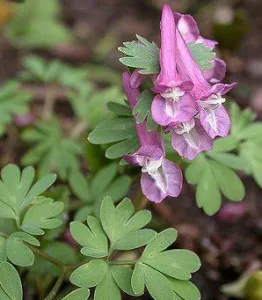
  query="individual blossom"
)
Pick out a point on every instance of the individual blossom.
point(189, 30)
point(212, 114)
point(160, 177)
point(173, 103)
point(190, 138)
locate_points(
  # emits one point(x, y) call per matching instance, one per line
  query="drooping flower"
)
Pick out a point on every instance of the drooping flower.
point(173, 103)
point(189, 30)
point(212, 114)
point(160, 177)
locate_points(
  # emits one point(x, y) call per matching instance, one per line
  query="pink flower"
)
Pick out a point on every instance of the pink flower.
point(174, 103)
point(187, 26)
point(160, 177)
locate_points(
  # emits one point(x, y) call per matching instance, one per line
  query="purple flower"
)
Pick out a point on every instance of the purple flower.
point(190, 138)
point(174, 102)
point(212, 114)
point(160, 177)
point(187, 26)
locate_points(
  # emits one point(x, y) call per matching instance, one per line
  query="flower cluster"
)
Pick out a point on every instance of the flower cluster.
point(188, 102)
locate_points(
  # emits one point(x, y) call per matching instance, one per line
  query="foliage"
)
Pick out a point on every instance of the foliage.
point(214, 172)
point(144, 55)
point(92, 191)
point(50, 149)
point(120, 132)
point(35, 25)
point(12, 103)
point(141, 55)
point(20, 200)
point(142, 110)
point(122, 229)
point(53, 72)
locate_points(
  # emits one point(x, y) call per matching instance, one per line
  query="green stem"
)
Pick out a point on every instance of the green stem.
point(57, 286)
point(47, 257)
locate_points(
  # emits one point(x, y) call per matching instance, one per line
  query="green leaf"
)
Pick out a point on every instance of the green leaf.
point(90, 274)
point(120, 109)
point(78, 294)
point(160, 242)
point(229, 183)
point(50, 149)
point(13, 101)
point(10, 283)
point(202, 55)
point(185, 289)
point(141, 55)
point(119, 221)
point(138, 279)
point(41, 215)
point(142, 110)
point(92, 238)
point(208, 195)
point(18, 252)
point(225, 144)
point(80, 186)
point(230, 160)
point(178, 264)
point(17, 191)
point(107, 289)
point(135, 239)
point(157, 284)
point(122, 276)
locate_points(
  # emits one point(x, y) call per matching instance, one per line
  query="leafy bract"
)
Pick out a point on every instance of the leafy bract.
point(202, 55)
point(142, 55)
point(50, 149)
point(10, 282)
point(35, 24)
point(91, 191)
point(120, 132)
point(142, 110)
point(12, 102)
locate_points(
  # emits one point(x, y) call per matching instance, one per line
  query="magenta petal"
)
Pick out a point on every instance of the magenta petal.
point(131, 93)
point(151, 190)
point(136, 79)
point(187, 26)
point(189, 145)
point(165, 112)
point(217, 72)
point(211, 44)
point(222, 89)
point(216, 122)
point(174, 178)
point(144, 152)
point(168, 76)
